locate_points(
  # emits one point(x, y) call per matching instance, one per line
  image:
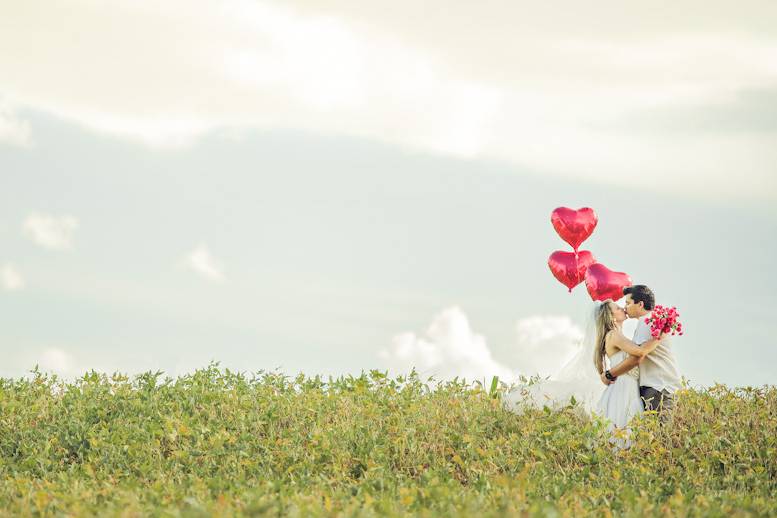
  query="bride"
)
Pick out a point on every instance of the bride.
point(577, 381)
point(620, 400)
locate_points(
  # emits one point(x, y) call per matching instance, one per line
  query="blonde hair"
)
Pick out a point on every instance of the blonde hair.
point(605, 322)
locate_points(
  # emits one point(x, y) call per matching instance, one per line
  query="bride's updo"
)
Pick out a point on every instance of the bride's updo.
point(605, 322)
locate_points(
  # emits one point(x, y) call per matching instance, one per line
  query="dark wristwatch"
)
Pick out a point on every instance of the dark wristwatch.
point(609, 376)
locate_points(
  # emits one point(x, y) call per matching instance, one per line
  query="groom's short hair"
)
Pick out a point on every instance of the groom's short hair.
point(641, 293)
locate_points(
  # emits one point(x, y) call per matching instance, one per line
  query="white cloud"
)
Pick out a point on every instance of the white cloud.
point(10, 278)
point(58, 361)
point(13, 130)
point(449, 349)
point(202, 261)
point(241, 64)
point(48, 231)
point(544, 344)
point(553, 94)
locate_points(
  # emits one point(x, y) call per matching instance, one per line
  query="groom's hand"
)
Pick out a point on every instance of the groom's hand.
point(605, 380)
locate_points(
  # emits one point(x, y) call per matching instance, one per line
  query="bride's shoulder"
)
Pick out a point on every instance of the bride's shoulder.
point(613, 334)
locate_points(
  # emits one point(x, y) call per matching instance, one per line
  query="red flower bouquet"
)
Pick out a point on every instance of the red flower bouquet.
point(664, 320)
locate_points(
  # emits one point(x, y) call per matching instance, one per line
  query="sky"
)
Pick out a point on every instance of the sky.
point(337, 186)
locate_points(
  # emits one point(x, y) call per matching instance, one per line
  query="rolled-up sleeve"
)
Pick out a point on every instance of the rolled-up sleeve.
point(642, 332)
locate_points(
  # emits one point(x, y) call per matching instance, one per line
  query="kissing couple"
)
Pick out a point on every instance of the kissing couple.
point(641, 373)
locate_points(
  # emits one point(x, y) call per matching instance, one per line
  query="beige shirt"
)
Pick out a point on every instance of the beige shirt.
point(659, 369)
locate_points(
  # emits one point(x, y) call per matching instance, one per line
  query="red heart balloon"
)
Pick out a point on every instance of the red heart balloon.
point(570, 271)
point(574, 226)
point(603, 283)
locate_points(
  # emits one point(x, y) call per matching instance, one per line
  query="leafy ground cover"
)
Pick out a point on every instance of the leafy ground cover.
point(220, 443)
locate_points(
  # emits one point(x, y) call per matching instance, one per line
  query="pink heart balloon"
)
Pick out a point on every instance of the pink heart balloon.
point(603, 283)
point(569, 270)
point(574, 226)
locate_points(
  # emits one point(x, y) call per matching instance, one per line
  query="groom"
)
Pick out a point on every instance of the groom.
point(659, 377)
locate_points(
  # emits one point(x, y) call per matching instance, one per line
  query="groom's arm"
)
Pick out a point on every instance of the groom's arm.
point(633, 360)
point(642, 338)
point(626, 365)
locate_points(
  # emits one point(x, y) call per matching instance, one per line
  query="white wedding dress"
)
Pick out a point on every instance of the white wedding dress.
point(621, 401)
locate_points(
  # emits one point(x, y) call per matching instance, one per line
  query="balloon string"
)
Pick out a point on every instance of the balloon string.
point(577, 270)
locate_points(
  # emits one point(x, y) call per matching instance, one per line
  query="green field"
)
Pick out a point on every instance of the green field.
point(223, 443)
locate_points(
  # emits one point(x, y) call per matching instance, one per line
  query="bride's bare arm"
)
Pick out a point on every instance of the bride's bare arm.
point(633, 359)
point(620, 341)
